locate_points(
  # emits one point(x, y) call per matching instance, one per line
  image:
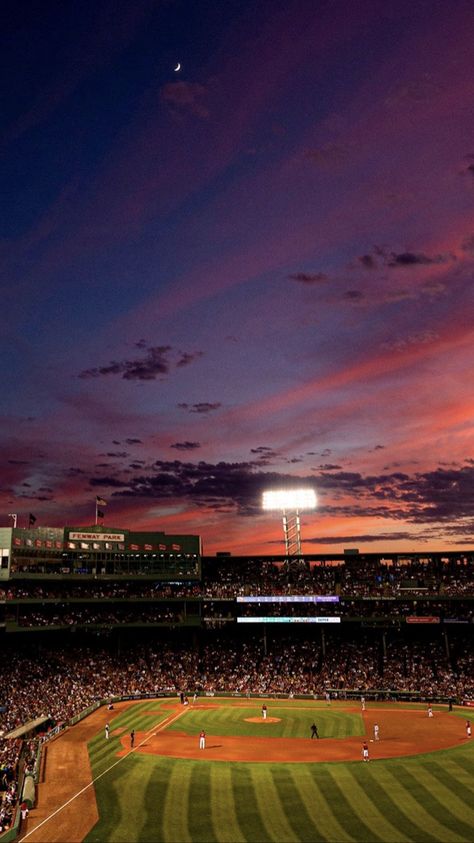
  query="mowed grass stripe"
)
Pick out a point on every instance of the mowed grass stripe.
point(176, 802)
point(349, 778)
point(438, 807)
point(112, 824)
point(201, 828)
point(224, 817)
point(102, 753)
point(246, 806)
point(340, 725)
point(378, 788)
point(138, 714)
point(293, 805)
point(402, 787)
point(270, 805)
point(349, 818)
point(323, 816)
point(459, 796)
point(466, 764)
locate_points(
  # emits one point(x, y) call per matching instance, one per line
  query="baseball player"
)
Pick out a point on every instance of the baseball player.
point(430, 711)
point(132, 738)
point(202, 739)
point(365, 751)
point(264, 711)
point(376, 732)
point(107, 731)
point(362, 702)
point(468, 728)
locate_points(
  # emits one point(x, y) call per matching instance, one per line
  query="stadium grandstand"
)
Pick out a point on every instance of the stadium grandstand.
point(95, 613)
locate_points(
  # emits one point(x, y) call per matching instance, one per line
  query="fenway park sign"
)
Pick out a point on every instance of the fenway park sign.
point(97, 537)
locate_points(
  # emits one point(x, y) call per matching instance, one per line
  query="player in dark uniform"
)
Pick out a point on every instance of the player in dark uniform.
point(132, 738)
point(314, 731)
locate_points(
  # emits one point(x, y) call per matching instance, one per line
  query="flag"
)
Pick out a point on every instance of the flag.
point(100, 514)
point(100, 502)
point(31, 520)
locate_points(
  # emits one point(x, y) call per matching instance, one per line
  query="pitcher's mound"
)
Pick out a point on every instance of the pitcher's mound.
point(261, 720)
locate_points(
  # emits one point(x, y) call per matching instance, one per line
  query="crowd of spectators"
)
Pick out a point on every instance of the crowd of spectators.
point(9, 761)
point(230, 578)
point(68, 615)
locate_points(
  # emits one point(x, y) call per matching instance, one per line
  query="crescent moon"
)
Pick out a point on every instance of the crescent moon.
point(178, 67)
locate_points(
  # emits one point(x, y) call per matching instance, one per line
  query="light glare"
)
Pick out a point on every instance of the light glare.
point(289, 499)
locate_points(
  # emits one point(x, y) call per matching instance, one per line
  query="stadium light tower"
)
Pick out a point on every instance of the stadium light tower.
point(290, 502)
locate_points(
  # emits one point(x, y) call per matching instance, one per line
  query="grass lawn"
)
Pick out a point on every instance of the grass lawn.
point(146, 798)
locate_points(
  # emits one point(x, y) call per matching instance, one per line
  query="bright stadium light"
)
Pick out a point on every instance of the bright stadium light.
point(290, 502)
point(289, 499)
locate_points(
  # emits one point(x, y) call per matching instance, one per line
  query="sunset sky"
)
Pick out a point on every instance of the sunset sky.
point(251, 273)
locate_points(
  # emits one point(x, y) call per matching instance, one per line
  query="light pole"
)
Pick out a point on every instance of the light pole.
point(290, 502)
point(14, 516)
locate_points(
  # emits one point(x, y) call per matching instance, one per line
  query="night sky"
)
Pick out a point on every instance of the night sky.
point(252, 273)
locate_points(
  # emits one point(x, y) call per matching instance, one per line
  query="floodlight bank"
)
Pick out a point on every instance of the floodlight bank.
point(289, 499)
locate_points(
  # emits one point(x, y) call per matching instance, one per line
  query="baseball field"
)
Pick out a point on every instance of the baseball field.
point(256, 779)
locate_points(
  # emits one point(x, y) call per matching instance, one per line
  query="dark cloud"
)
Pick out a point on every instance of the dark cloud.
point(327, 467)
point(201, 407)
point(186, 446)
point(119, 454)
point(470, 169)
point(104, 482)
point(414, 259)
point(188, 357)
point(441, 500)
point(155, 363)
point(133, 441)
point(309, 278)
point(18, 462)
point(380, 256)
point(35, 496)
point(230, 487)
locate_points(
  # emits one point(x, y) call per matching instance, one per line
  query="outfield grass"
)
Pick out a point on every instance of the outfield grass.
point(146, 798)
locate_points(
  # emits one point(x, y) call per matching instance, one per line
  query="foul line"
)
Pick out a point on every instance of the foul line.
point(155, 730)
